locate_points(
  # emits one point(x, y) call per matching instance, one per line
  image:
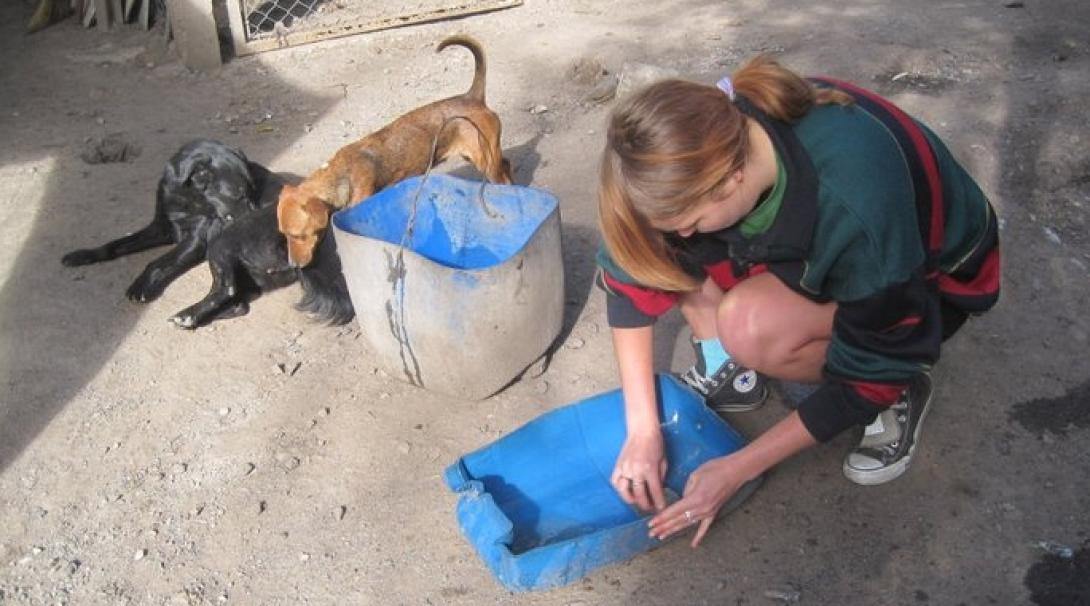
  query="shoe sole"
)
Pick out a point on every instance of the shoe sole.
point(892, 472)
point(747, 407)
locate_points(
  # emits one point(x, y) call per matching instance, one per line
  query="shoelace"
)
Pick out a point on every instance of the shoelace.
point(900, 408)
point(699, 382)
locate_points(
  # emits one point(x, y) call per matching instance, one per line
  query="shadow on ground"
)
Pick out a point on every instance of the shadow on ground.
point(60, 327)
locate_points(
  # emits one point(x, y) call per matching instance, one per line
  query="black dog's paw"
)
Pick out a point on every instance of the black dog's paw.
point(79, 257)
point(234, 311)
point(186, 321)
point(144, 289)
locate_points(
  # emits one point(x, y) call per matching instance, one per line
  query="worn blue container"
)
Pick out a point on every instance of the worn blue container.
point(537, 504)
point(458, 285)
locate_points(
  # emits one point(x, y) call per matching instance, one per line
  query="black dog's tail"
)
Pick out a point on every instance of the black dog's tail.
point(325, 293)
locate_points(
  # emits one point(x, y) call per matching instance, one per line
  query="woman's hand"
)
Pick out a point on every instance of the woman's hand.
point(716, 481)
point(707, 489)
point(640, 469)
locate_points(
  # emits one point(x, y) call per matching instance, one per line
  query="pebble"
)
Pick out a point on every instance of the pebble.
point(538, 109)
point(404, 447)
point(575, 343)
point(1061, 551)
point(541, 387)
point(139, 555)
point(1052, 235)
point(788, 595)
point(225, 411)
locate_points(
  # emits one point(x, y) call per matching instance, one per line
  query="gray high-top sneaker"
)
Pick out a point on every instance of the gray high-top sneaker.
point(731, 388)
point(889, 442)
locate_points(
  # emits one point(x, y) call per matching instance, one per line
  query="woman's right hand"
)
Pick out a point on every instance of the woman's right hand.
point(640, 470)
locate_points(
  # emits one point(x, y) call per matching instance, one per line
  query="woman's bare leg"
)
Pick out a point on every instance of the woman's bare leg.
point(774, 330)
point(700, 309)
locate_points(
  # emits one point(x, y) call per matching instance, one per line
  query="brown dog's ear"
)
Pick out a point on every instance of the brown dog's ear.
point(317, 211)
point(287, 191)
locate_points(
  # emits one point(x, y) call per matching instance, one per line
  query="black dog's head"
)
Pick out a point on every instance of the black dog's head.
point(214, 177)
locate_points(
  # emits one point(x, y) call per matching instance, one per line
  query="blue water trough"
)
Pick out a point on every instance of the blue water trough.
point(458, 285)
point(537, 504)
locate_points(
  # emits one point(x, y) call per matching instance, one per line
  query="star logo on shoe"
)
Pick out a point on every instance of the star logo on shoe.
point(745, 382)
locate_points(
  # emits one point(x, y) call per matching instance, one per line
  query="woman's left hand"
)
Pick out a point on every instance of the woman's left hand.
point(707, 489)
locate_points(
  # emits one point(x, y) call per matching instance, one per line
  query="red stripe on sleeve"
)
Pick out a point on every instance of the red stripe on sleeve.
point(985, 282)
point(880, 394)
point(906, 321)
point(648, 301)
point(723, 275)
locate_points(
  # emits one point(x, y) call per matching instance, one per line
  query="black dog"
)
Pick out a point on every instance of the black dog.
point(213, 203)
point(250, 257)
point(205, 185)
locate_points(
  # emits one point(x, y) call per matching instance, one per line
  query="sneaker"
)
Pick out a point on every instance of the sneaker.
point(888, 442)
point(732, 388)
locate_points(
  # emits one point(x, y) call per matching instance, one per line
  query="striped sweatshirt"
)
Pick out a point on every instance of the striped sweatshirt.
point(876, 215)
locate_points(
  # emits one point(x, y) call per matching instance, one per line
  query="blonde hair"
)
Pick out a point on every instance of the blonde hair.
point(670, 145)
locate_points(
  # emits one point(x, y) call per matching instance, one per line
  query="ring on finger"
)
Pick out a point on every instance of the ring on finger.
point(637, 482)
point(688, 516)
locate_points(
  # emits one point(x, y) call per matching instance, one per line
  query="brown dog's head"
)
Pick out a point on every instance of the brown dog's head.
point(302, 218)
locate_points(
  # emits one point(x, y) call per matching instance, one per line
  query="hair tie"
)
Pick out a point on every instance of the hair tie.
point(726, 86)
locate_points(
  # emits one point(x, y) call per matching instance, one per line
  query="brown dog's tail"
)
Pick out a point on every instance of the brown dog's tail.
point(476, 90)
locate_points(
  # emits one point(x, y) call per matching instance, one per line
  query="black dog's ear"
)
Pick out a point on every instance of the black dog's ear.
point(194, 169)
point(202, 178)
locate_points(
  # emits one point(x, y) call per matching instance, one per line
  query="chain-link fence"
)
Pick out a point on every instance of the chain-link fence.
point(258, 25)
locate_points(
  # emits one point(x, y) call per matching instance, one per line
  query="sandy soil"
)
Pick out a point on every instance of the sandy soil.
point(140, 464)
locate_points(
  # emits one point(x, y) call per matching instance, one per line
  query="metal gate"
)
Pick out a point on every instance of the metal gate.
point(260, 25)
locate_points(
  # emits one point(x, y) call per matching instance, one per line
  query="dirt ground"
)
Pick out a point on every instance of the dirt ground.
point(265, 459)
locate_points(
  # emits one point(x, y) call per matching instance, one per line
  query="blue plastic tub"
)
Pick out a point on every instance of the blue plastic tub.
point(458, 223)
point(537, 504)
point(468, 297)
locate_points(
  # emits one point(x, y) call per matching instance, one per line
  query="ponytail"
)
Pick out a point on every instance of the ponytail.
point(779, 92)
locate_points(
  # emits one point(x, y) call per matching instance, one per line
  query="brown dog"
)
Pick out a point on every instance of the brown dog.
point(460, 125)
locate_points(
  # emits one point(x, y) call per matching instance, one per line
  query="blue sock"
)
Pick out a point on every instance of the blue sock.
point(714, 355)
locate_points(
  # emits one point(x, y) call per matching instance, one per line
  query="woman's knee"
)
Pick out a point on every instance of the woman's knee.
point(741, 329)
point(764, 325)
